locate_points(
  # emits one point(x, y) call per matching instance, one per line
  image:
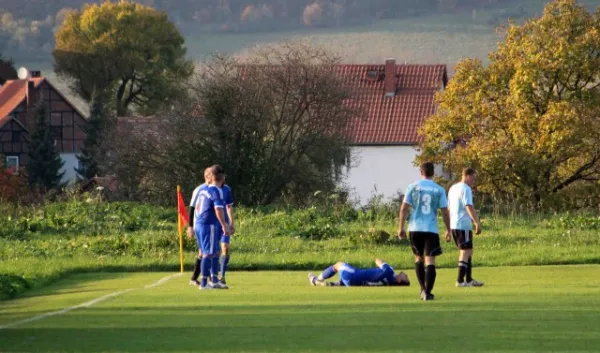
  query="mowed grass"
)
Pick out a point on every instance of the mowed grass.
point(521, 309)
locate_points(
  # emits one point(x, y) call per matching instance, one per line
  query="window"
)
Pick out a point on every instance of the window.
point(372, 75)
point(12, 163)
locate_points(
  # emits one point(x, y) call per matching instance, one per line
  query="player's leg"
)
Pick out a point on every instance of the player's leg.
point(460, 239)
point(204, 234)
point(224, 256)
point(469, 256)
point(215, 239)
point(433, 248)
point(326, 274)
point(418, 247)
point(196, 273)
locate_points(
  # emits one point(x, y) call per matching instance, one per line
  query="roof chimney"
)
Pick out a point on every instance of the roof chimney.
point(390, 77)
point(36, 74)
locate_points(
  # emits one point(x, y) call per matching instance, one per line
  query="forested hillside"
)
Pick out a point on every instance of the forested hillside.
point(28, 26)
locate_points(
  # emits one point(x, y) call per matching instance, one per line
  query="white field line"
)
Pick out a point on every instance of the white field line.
point(87, 304)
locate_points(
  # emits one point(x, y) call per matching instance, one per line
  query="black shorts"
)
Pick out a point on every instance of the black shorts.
point(463, 239)
point(425, 243)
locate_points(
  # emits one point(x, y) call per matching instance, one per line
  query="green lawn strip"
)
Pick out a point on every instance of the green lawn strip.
point(72, 290)
point(533, 309)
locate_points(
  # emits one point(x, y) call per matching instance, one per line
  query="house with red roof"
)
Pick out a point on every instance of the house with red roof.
point(395, 99)
point(18, 102)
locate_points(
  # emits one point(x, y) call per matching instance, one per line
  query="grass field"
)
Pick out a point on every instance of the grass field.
point(521, 309)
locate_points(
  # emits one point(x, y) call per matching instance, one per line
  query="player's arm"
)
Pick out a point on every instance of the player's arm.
point(190, 229)
point(219, 209)
point(445, 213)
point(404, 211)
point(230, 215)
point(446, 218)
point(475, 218)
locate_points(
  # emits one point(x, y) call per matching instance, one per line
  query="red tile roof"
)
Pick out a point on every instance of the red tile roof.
point(389, 120)
point(392, 120)
point(12, 94)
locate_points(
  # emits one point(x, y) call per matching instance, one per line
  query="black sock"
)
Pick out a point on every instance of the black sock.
point(196, 269)
point(469, 270)
point(462, 271)
point(429, 278)
point(420, 270)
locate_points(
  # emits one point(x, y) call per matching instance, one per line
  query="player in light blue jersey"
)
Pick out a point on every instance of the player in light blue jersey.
point(462, 217)
point(227, 197)
point(382, 275)
point(192, 222)
point(423, 199)
point(209, 226)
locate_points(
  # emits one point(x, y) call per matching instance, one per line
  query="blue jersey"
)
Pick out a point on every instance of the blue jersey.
point(425, 197)
point(206, 201)
point(383, 276)
point(227, 198)
point(459, 197)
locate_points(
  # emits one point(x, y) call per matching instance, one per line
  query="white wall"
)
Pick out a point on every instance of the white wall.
point(70, 160)
point(390, 169)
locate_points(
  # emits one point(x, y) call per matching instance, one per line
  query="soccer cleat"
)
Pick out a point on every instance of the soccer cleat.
point(206, 287)
point(429, 297)
point(222, 280)
point(219, 285)
point(313, 280)
point(462, 284)
point(474, 283)
point(194, 282)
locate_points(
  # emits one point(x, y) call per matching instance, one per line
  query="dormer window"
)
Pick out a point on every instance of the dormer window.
point(372, 75)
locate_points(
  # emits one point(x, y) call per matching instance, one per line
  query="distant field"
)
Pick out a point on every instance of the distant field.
point(520, 309)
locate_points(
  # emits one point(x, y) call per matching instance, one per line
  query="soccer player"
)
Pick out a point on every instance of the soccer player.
point(192, 220)
point(382, 275)
point(210, 216)
point(462, 217)
point(227, 198)
point(424, 197)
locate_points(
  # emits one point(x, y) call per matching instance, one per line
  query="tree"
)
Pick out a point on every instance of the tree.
point(530, 120)
point(130, 50)
point(7, 70)
point(92, 146)
point(276, 122)
point(44, 160)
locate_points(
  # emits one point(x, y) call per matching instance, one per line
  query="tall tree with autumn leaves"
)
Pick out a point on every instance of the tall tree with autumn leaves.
point(530, 120)
point(128, 51)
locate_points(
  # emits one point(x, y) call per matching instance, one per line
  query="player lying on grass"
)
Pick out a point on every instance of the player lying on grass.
point(382, 275)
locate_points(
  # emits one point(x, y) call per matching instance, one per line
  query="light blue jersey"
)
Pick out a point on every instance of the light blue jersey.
point(425, 197)
point(459, 197)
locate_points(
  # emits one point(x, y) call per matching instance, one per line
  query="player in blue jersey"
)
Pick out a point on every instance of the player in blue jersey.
point(227, 197)
point(423, 199)
point(382, 275)
point(192, 221)
point(462, 218)
point(209, 226)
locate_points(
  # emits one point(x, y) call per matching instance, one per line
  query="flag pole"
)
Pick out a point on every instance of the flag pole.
point(179, 230)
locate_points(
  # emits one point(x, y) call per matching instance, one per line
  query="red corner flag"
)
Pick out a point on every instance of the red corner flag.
point(183, 219)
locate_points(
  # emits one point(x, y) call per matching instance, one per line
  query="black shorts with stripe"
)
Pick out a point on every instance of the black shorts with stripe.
point(425, 243)
point(463, 238)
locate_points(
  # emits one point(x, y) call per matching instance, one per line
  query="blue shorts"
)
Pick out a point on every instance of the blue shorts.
point(346, 272)
point(225, 239)
point(207, 237)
